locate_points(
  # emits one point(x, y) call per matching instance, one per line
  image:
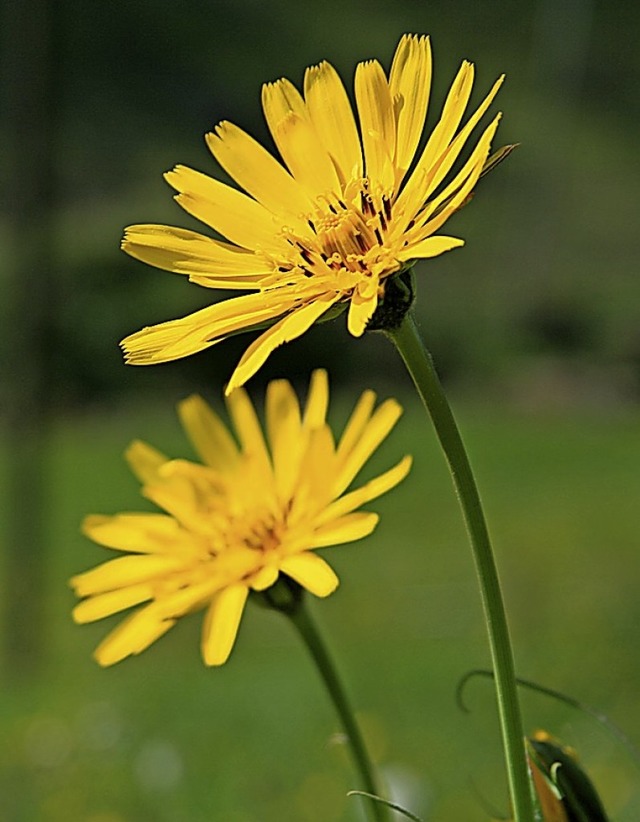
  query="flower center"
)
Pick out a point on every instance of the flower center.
point(348, 240)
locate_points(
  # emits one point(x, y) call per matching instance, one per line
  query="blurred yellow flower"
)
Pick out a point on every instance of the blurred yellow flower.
point(351, 208)
point(250, 511)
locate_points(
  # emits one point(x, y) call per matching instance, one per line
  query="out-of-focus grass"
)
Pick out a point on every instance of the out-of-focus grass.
point(161, 738)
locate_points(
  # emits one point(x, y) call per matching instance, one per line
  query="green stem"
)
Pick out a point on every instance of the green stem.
point(318, 650)
point(420, 365)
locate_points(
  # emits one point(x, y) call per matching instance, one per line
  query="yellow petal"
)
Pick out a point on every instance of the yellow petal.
point(358, 420)
point(410, 84)
point(260, 174)
point(221, 624)
point(318, 466)
point(456, 146)
point(132, 636)
point(429, 247)
point(265, 578)
point(104, 605)
point(332, 116)
point(345, 529)
point(145, 461)
point(189, 492)
point(237, 217)
point(187, 252)
point(190, 598)
point(414, 193)
point(122, 572)
point(284, 428)
point(378, 427)
point(452, 113)
point(315, 411)
point(371, 490)
point(461, 186)
point(287, 329)
point(377, 123)
point(140, 533)
point(312, 572)
point(249, 431)
point(361, 309)
point(195, 332)
point(297, 139)
point(208, 434)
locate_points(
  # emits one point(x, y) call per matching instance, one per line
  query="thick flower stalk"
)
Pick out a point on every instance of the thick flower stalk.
point(253, 509)
point(353, 204)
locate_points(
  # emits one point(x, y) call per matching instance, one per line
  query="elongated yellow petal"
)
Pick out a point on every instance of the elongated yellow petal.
point(195, 332)
point(361, 309)
point(348, 528)
point(356, 424)
point(284, 428)
point(312, 572)
point(123, 571)
point(313, 489)
point(287, 329)
point(221, 624)
point(265, 578)
point(139, 533)
point(452, 114)
point(377, 429)
point(180, 492)
point(453, 151)
point(190, 597)
point(104, 605)
point(332, 116)
point(361, 496)
point(187, 252)
point(430, 247)
point(260, 174)
point(249, 431)
point(297, 140)
point(145, 461)
point(208, 433)
point(462, 185)
point(132, 636)
point(236, 216)
point(414, 193)
point(315, 411)
point(409, 85)
point(377, 123)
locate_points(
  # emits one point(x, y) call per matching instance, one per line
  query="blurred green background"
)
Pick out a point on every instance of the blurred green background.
point(534, 327)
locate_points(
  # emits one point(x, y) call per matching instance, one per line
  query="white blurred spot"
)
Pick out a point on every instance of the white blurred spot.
point(47, 742)
point(158, 766)
point(99, 726)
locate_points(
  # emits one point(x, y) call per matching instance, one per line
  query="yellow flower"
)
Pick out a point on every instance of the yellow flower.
point(352, 207)
point(234, 522)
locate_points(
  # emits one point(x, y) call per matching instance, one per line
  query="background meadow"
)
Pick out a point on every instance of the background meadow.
point(534, 327)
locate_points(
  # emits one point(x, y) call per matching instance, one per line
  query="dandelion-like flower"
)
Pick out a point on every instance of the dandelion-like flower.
point(253, 509)
point(352, 207)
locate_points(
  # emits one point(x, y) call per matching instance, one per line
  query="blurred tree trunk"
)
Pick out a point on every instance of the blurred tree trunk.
point(29, 113)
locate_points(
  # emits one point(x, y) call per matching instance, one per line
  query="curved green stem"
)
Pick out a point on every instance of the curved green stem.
point(420, 365)
point(318, 650)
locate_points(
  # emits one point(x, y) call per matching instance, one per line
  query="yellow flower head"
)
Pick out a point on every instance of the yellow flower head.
point(251, 510)
point(349, 208)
